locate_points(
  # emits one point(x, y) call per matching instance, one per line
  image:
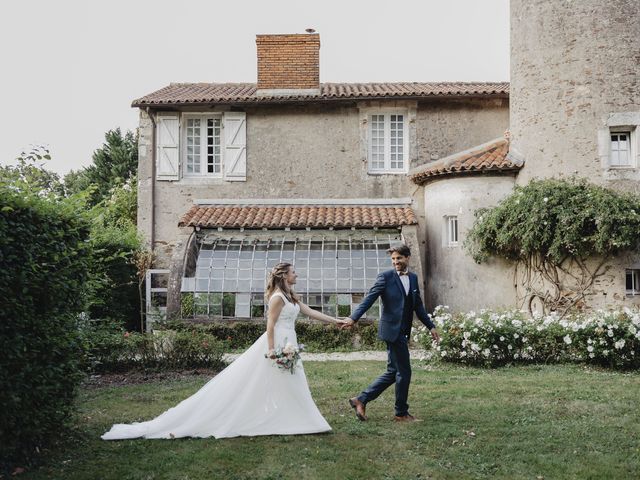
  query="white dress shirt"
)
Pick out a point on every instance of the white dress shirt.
point(405, 282)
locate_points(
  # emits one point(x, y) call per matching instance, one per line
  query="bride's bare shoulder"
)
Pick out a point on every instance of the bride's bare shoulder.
point(277, 296)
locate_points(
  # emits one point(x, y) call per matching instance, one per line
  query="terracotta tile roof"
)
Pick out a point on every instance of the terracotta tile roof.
point(491, 156)
point(263, 216)
point(243, 93)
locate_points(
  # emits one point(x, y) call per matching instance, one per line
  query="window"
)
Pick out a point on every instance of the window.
point(202, 152)
point(156, 282)
point(451, 231)
point(620, 149)
point(334, 272)
point(388, 145)
point(633, 282)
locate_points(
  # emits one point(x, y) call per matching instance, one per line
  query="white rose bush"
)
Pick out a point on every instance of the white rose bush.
point(495, 338)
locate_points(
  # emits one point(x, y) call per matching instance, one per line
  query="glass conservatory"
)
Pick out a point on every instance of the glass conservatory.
point(227, 274)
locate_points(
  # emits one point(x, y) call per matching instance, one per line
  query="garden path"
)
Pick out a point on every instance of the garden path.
point(341, 356)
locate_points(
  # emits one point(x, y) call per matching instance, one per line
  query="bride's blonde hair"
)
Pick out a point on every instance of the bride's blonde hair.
point(277, 281)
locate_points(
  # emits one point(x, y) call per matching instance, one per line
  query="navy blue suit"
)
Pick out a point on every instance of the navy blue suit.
point(395, 329)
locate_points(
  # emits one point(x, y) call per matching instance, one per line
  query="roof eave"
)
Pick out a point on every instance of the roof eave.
point(139, 103)
point(485, 171)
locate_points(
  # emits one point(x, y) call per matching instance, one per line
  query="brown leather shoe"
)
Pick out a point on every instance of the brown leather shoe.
point(359, 407)
point(406, 418)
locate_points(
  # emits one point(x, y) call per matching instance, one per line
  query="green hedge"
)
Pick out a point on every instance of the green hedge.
point(315, 337)
point(111, 349)
point(43, 256)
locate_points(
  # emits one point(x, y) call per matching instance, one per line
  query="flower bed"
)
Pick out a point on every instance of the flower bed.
point(490, 338)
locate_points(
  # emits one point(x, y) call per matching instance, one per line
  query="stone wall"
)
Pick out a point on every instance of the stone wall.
point(313, 151)
point(452, 276)
point(573, 65)
point(575, 76)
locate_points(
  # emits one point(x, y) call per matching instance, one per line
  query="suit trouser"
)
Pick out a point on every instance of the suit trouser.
point(398, 372)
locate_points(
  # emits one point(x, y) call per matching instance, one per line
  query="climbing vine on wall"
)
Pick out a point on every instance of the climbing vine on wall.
point(551, 229)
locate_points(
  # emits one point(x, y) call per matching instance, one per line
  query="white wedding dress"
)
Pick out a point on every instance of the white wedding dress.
point(248, 398)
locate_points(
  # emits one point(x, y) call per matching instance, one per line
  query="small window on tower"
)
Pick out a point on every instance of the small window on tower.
point(620, 149)
point(633, 282)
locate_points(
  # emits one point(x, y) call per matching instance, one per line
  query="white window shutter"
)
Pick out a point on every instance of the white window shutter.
point(168, 148)
point(234, 125)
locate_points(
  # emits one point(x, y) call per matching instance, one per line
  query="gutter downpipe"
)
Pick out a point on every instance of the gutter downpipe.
point(153, 179)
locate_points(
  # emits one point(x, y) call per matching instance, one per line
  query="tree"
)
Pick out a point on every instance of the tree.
point(115, 246)
point(113, 164)
point(29, 175)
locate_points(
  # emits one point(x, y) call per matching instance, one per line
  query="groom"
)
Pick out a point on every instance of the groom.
point(400, 295)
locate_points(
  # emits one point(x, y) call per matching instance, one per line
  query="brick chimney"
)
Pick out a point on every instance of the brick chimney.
point(288, 64)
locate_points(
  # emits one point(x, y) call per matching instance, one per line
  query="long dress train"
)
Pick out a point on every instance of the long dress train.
point(248, 398)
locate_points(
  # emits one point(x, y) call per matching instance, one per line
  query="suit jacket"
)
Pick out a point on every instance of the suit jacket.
point(389, 288)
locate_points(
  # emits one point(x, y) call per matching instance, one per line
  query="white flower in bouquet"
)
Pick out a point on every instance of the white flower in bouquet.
point(287, 357)
point(619, 344)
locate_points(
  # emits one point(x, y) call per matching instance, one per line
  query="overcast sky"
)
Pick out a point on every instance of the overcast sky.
point(70, 69)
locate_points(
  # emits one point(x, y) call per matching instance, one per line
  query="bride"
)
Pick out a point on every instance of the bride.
point(251, 396)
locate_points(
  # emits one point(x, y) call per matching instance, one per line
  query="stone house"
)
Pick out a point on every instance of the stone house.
point(235, 177)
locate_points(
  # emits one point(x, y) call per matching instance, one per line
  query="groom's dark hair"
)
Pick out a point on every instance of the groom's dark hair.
point(401, 249)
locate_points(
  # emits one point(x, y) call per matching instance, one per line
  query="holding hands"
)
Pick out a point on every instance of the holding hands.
point(346, 323)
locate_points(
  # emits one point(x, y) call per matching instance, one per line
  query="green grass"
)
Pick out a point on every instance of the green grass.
point(526, 422)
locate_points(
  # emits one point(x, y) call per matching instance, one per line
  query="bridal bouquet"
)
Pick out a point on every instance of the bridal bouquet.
point(287, 357)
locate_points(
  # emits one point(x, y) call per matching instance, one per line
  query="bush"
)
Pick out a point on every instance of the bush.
point(608, 339)
point(555, 219)
point(43, 251)
point(316, 337)
point(111, 349)
point(327, 337)
point(560, 234)
point(113, 286)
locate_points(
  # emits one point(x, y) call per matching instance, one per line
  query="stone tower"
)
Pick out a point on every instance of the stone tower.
point(575, 70)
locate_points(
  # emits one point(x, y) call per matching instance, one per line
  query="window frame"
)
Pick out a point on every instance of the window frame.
point(635, 282)
point(203, 117)
point(448, 231)
point(631, 139)
point(387, 114)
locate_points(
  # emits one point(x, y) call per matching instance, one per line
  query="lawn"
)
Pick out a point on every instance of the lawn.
point(523, 422)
